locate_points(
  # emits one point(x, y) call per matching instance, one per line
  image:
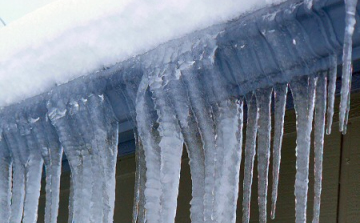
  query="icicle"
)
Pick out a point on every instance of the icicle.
point(280, 93)
point(303, 91)
point(203, 115)
point(171, 145)
point(194, 146)
point(82, 162)
point(263, 101)
point(331, 92)
point(140, 179)
point(145, 125)
point(320, 110)
point(33, 168)
point(250, 151)
point(350, 9)
point(18, 152)
point(229, 144)
point(5, 180)
point(78, 159)
point(51, 152)
point(105, 144)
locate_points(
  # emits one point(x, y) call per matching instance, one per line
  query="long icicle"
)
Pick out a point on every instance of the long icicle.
point(84, 152)
point(206, 126)
point(263, 100)
point(34, 167)
point(53, 153)
point(280, 94)
point(250, 151)
point(331, 93)
point(350, 10)
point(57, 114)
point(5, 180)
point(104, 155)
point(18, 189)
point(194, 145)
point(145, 125)
point(140, 179)
point(303, 91)
point(320, 110)
point(171, 147)
point(232, 160)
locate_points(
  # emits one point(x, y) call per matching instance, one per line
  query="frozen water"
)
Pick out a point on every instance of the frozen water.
point(303, 91)
point(189, 91)
point(250, 151)
point(350, 8)
point(280, 95)
point(5, 180)
point(91, 151)
point(263, 100)
point(319, 131)
point(332, 75)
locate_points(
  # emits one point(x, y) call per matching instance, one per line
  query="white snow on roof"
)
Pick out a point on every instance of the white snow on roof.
point(70, 38)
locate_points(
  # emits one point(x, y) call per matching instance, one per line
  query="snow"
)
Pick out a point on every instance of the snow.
point(71, 38)
point(188, 101)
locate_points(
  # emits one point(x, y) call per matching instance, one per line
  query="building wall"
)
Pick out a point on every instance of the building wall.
point(341, 180)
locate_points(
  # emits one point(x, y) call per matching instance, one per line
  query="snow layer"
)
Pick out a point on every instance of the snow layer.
point(71, 38)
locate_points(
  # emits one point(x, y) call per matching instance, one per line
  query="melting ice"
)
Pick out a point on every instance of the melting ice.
point(198, 93)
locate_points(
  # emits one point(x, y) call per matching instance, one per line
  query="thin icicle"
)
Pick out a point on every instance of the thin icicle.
point(5, 180)
point(350, 20)
point(51, 152)
point(33, 168)
point(303, 91)
point(72, 143)
point(332, 74)
point(194, 145)
point(205, 122)
point(263, 101)
point(250, 151)
point(140, 179)
point(320, 110)
point(280, 93)
point(18, 190)
point(145, 125)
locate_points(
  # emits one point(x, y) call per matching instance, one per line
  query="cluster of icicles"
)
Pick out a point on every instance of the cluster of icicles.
point(213, 136)
point(86, 130)
point(172, 109)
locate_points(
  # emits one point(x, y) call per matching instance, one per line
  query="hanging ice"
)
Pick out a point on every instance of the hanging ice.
point(350, 8)
point(250, 151)
point(319, 131)
point(51, 152)
point(5, 180)
point(263, 100)
point(303, 91)
point(280, 95)
point(91, 151)
point(332, 75)
point(187, 91)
